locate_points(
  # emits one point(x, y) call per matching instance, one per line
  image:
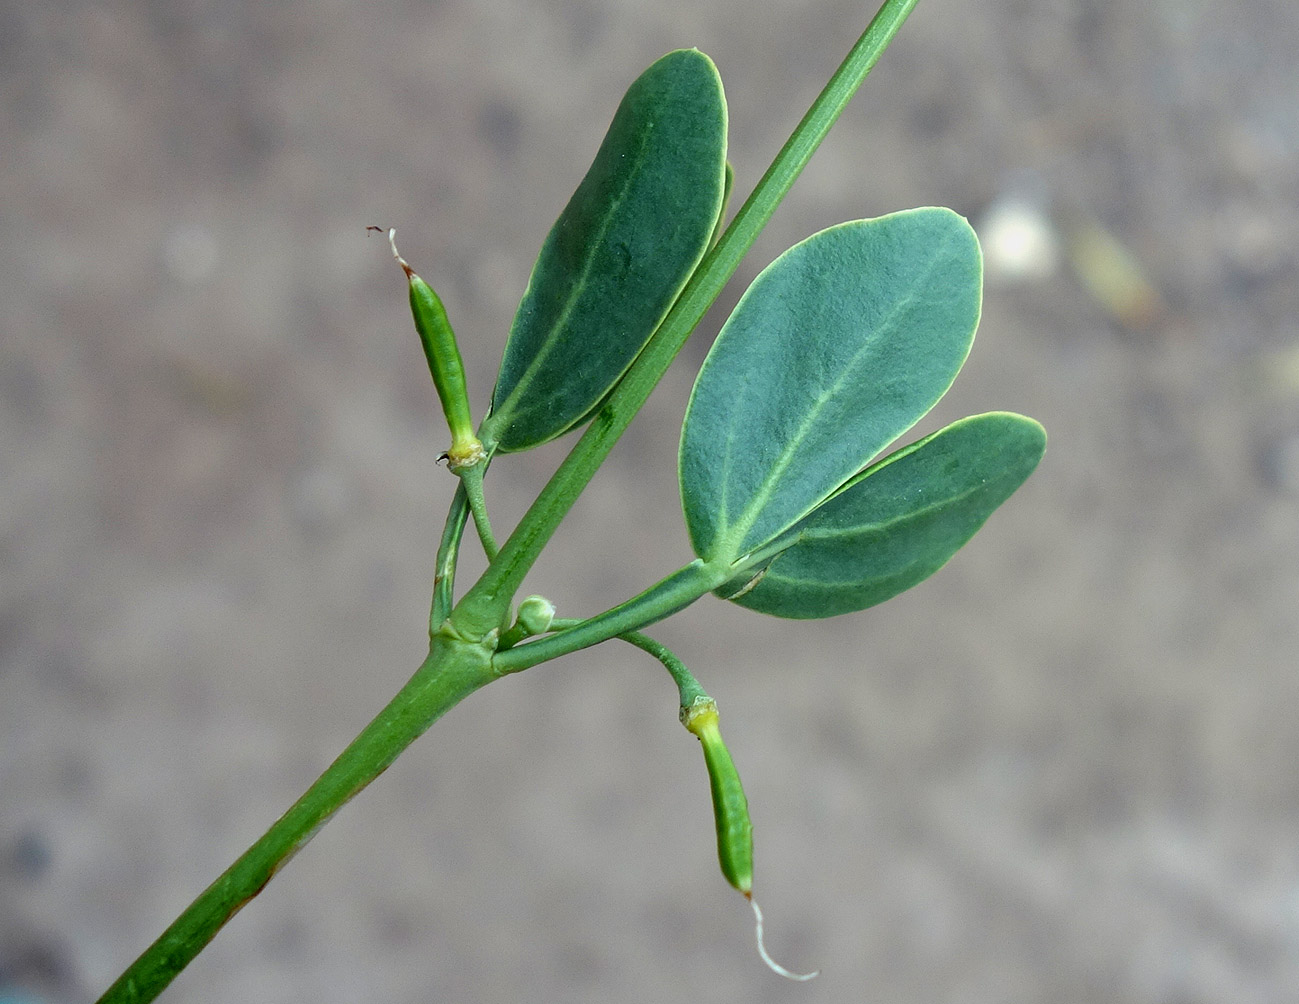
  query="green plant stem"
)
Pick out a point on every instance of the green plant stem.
point(472, 480)
point(490, 596)
point(452, 671)
point(456, 667)
point(663, 599)
point(444, 575)
point(688, 688)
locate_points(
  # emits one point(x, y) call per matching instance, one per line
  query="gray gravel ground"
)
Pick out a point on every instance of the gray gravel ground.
point(1062, 770)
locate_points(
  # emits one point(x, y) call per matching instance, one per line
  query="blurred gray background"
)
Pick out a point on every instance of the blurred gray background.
point(1062, 770)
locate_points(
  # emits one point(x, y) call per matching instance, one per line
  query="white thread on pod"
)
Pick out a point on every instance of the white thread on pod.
point(392, 242)
point(772, 964)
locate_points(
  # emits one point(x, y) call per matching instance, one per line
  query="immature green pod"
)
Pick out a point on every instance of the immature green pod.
point(730, 807)
point(444, 364)
point(731, 813)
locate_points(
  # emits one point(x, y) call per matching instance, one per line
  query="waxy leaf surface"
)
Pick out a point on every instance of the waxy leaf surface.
point(837, 348)
point(618, 255)
point(900, 520)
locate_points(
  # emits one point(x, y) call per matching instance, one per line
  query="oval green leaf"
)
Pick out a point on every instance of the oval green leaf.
point(618, 255)
point(899, 521)
point(837, 348)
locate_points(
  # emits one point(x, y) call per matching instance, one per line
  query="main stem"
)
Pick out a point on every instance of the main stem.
point(502, 580)
point(450, 673)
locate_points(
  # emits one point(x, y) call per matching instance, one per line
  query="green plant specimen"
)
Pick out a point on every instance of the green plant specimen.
point(837, 349)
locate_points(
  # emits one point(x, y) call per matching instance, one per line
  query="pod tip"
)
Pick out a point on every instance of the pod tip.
point(772, 964)
point(392, 242)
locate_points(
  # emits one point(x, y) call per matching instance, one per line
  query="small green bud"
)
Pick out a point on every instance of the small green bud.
point(444, 364)
point(535, 615)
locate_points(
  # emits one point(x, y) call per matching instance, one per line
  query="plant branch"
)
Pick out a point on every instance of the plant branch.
point(457, 664)
point(663, 599)
point(688, 688)
point(444, 575)
point(472, 480)
point(451, 672)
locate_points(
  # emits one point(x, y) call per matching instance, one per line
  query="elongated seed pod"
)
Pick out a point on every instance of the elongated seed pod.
point(730, 807)
point(444, 363)
point(731, 813)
